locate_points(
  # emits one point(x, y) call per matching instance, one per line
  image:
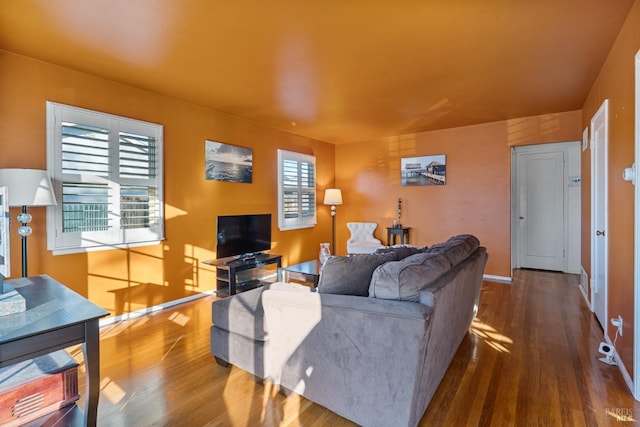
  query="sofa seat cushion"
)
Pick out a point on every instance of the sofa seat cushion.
point(350, 275)
point(403, 280)
point(457, 248)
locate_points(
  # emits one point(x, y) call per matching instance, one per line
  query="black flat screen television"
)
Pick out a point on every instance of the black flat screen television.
point(243, 235)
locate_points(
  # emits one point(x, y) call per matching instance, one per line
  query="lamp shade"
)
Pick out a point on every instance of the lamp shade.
point(28, 187)
point(332, 196)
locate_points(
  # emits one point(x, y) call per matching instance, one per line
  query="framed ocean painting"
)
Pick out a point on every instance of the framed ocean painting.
point(229, 163)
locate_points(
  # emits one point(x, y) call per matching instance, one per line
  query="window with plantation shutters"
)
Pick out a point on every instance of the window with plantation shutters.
point(296, 190)
point(107, 176)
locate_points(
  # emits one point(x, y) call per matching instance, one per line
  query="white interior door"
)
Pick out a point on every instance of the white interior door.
point(599, 209)
point(541, 210)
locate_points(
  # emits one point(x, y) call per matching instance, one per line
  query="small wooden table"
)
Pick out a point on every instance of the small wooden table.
point(56, 318)
point(308, 271)
point(403, 232)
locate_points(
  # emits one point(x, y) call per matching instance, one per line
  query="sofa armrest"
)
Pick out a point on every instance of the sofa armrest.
point(454, 297)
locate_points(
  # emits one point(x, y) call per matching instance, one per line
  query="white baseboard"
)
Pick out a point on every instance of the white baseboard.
point(492, 278)
point(155, 308)
point(625, 373)
point(623, 369)
point(584, 279)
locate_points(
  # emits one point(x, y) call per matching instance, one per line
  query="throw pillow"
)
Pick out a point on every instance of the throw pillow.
point(403, 280)
point(401, 251)
point(350, 275)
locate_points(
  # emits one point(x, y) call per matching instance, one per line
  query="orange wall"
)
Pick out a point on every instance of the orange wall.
point(476, 198)
point(616, 82)
point(127, 280)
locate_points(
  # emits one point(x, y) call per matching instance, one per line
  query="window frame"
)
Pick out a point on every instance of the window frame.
point(115, 236)
point(300, 221)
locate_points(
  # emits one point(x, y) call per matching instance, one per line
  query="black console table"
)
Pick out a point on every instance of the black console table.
point(228, 268)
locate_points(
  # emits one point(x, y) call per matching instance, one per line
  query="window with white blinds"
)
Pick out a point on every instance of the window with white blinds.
point(296, 190)
point(107, 176)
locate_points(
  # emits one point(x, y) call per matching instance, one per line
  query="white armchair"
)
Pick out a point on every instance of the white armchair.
point(362, 240)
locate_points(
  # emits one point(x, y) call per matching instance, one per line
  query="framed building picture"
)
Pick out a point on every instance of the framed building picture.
point(424, 170)
point(229, 163)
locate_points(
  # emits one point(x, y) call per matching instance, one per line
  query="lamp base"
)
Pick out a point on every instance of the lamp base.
point(11, 301)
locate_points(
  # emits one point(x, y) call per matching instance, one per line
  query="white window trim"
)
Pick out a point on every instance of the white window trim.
point(300, 221)
point(67, 243)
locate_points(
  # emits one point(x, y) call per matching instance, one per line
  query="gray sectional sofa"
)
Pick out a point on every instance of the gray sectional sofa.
point(372, 342)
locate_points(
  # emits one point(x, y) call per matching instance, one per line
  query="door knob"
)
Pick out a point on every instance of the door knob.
point(600, 233)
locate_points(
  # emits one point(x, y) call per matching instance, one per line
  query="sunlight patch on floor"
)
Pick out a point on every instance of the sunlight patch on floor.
point(270, 390)
point(111, 391)
point(293, 406)
point(76, 353)
point(172, 347)
point(179, 318)
point(119, 327)
point(489, 335)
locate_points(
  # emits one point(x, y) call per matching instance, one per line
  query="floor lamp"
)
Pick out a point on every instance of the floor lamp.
point(10, 300)
point(27, 187)
point(333, 197)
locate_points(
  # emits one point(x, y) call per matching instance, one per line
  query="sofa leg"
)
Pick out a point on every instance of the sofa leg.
point(221, 362)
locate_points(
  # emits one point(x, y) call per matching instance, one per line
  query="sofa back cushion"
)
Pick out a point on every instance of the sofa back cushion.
point(350, 275)
point(457, 248)
point(403, 280)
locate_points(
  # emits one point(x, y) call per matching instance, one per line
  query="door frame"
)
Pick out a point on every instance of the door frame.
point(572, 215)
point(603, 109)
point(636, 256)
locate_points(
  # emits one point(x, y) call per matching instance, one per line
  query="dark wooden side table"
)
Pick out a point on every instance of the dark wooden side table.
point(403, 232)
point(56, 318)
point(308, 271)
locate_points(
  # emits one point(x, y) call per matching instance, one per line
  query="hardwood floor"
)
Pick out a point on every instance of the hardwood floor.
point(531, 358)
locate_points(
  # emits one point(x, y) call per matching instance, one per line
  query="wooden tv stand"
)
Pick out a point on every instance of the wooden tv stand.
point(228, 268)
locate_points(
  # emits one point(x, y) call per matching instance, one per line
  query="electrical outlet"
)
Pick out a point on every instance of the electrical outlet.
point(617, 322)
